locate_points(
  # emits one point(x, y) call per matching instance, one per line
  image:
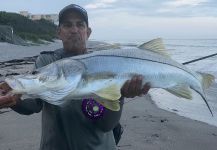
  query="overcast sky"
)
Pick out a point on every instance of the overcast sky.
point(135, 19)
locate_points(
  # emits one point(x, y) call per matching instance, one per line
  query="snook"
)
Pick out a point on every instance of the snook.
point(101, 75)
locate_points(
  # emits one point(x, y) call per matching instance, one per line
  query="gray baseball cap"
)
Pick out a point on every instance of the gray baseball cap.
point(73, 7)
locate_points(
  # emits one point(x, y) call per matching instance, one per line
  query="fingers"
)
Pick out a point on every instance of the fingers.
point(4, 87)
point(124, 89)
point(4, 101)
point(146, 88)
point(133, 87)
point(7, 105)
point(2, 92)
point(8, 100)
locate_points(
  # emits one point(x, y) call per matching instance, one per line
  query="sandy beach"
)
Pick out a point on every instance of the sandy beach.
point(146, 127)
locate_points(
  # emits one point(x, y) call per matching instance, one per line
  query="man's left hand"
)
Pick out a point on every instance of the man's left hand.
point(134, 87)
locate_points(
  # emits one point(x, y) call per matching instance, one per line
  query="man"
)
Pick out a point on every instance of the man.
point(71, 127)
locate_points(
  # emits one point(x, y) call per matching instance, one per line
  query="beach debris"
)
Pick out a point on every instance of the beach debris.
point(214, 134)
point(163, 120)
point(101, 74)
point(135, 117)
point(155, 135)
point(11, 74)
point(175, 110)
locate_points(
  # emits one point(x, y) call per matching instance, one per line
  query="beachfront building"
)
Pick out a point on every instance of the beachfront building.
point(50, 17)
point(25, 13)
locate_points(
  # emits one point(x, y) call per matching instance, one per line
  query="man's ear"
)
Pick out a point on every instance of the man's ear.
point(88, 32)
point(58, 32)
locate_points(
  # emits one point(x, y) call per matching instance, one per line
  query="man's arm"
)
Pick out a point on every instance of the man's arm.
point(26, 106)
point(130, 89)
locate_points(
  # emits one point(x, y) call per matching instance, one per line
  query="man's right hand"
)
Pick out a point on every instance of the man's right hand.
point(6, 99)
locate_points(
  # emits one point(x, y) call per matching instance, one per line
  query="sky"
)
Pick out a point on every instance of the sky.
point(134, 20)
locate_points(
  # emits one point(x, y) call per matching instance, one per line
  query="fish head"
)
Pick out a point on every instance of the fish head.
point(33, 82)
point(22, 83)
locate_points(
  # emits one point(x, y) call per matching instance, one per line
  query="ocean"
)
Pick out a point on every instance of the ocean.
point(181, 50)
point(184, 50)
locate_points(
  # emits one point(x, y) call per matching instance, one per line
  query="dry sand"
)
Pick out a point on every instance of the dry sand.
point(146, 127)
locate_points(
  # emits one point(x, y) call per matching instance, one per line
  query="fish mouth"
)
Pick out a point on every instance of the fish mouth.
point(19, 83)
point(15, 84)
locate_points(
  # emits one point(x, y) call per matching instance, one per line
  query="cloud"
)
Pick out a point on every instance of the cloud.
point(180, 3)
point(130, 26)
point(186, 8)
point(100, 4)
point(160, 8)
point(108, 1)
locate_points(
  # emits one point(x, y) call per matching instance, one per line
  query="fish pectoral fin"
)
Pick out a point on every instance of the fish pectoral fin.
point(207, 79)
point(111, 105)
point(111, 92)
point(155, 45)
point(180, 91)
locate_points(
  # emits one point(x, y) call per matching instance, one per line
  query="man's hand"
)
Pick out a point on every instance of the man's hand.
point(4, 88)
point(6, 99)
point(133, 87)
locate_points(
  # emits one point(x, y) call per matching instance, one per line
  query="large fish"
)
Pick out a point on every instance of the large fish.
point(101, 74)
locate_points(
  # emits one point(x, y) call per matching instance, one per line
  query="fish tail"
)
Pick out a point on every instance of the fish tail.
point(207, 104)
point(207, 79)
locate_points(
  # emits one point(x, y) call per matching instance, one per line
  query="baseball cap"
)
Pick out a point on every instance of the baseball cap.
point(73, 7)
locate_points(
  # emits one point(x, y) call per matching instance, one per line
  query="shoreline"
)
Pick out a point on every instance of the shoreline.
point(195, 109)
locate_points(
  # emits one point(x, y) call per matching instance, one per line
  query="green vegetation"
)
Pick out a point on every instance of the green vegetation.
point(27, 29)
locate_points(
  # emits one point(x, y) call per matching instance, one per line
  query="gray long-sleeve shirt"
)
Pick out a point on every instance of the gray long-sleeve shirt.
point(65, 128)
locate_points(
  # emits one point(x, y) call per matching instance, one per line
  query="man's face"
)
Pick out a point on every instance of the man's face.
point(74, 33)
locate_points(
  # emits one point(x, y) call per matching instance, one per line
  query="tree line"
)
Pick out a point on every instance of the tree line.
point(28, 29)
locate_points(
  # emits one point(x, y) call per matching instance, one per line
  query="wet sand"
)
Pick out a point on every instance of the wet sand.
point(149, 128)
point(146, 127)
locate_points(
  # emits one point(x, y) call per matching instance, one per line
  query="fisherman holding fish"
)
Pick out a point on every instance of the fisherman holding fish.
point(78, 125)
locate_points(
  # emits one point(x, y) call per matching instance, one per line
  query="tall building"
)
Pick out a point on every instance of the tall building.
point(50, 17)
point(25, 13)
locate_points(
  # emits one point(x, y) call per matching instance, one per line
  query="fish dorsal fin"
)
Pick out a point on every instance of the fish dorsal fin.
point(181, 91)
point(155, 45)
point(207, 79)
point(111, 92)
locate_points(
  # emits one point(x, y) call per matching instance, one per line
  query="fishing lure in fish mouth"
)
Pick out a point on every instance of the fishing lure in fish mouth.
point(92, 109)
